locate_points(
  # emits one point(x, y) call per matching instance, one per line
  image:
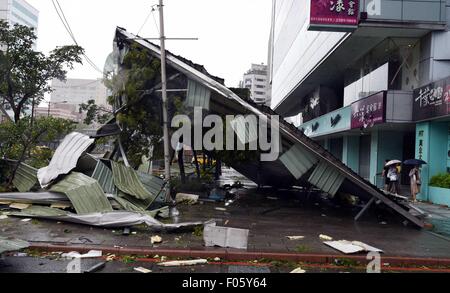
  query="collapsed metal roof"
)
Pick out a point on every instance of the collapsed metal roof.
point(11, 244)
point(301, 159)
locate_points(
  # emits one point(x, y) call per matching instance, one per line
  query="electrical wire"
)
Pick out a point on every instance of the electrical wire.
point(66, 24)
point(148, 16)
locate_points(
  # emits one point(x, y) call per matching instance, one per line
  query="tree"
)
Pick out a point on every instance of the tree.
point(18, 139)
point(95, 113)
point(25, 73)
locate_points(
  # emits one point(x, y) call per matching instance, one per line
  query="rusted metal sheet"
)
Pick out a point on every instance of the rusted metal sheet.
point(65, 158)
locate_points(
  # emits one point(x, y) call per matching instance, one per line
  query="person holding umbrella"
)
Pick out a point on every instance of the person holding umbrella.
point(394, 176)
point(415, 177)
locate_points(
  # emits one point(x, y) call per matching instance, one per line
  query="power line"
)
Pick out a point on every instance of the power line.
point(148, 16)
point(66, 24)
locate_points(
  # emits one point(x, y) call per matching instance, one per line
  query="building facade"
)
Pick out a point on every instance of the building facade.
point(79, 91)
point(19, 12)
point(256, 81)
point(57, 110)
point(349, 73)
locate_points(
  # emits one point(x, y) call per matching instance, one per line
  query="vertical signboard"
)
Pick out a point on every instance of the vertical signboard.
point(334, 15)
point(370, 111)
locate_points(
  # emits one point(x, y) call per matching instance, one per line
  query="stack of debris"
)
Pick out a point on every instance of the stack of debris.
point(81, 188)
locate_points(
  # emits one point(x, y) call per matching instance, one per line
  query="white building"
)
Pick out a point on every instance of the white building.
point(18, 12)
point(79, 91)
point(256, 81)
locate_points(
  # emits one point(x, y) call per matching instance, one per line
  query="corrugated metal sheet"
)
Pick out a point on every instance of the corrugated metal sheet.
point(155, 185)
point(10, 244)
point(85, 193)
point(298, 161)
point(127, 205)
point(44, 211)
point(327, 178)
point(34, 197)
point(246, 132)
point(26, 178)
point(198, 96)
point(104, 176)
point(127, 181)
point(65, 158)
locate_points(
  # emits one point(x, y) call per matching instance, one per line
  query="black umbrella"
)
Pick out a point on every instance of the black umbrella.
point(415, 162)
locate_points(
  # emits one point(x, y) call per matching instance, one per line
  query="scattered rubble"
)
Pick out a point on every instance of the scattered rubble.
point(90, 254)
point(295, 237)
point(351, 247)
point(225, 237)
point(298, 271)
point(325, 238)
point(179, 263)
point(184, 198)
point(156, 239)
point(142, 270)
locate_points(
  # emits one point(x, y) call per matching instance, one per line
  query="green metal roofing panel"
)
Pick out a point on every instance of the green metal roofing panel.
point(10, 245)
point(85, 193)
point(127, 181)
point(298, 161)
point(198, 96)
point(155, 185)
point(26, 178)
point(246, 132)
point(327, 178)
point(127, 205)
point(104, 176)
point(42, 211)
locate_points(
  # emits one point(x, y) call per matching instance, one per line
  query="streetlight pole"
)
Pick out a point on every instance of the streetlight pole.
point(164, 95)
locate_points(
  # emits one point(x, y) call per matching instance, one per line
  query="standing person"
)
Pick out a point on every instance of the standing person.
point(394, 179)
point(415, 180)
point(384, 174)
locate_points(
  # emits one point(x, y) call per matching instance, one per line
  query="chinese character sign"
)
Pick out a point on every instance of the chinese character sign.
point(432, 101)
point(368, 112)
point(334, 13)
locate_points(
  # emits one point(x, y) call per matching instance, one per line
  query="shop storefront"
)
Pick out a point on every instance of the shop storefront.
point(432, 114)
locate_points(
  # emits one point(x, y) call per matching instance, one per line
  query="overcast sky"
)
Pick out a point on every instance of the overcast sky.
point(232, 33)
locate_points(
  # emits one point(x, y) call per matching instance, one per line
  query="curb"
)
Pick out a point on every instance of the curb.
point(233, 255)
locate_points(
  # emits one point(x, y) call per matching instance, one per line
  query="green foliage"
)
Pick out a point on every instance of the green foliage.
point(441, 180)
point(20, 141)
point(94, 113)
point(24, 73)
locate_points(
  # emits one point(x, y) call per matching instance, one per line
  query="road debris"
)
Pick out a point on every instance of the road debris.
point(110, 257)
point(295, 237)
point(25, 220)
point(156, 239)
point(225, 237)
point(95, 268)
point(142, 270)
point(298, 271)
point(90, 254)
point(12, 244)
point(221, 209)
point(3, 217)
point(325, 238)
point(184, 198)
point(19, 206)
point(217, 259)
point(181, 263)
point(351, 247)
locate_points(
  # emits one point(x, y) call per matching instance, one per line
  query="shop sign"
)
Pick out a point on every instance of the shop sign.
point(334, 15)
point(370, 111)
point(432, 101)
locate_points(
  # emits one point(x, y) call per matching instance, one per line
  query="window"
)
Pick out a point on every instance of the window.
point(260, 93)
point(260, 86)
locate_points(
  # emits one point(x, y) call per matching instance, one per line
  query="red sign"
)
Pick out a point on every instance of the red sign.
point(370, 111)
point(334, 15)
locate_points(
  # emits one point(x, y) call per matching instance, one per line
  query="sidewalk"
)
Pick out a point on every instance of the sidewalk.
point(438, 216)
point(269, 222)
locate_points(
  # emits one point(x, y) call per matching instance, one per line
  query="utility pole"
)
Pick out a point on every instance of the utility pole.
point(164, 96)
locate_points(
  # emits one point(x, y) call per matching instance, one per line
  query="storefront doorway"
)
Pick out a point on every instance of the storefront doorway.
point(364, 156)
